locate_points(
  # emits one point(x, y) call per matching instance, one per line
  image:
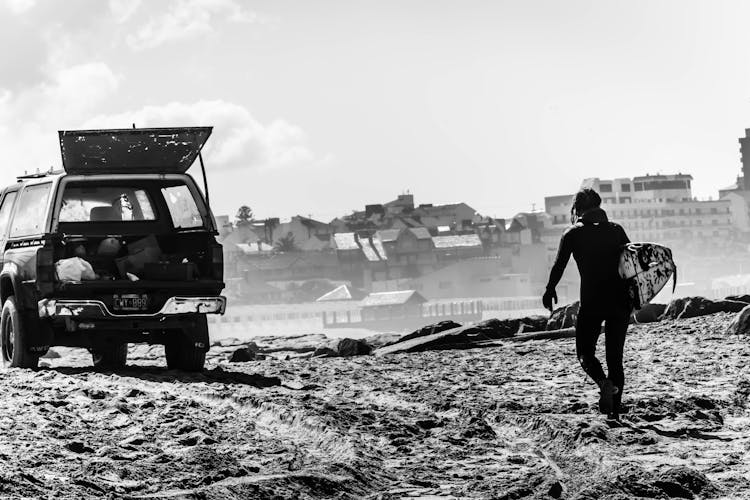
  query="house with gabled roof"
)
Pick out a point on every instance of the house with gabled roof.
point(340, 294)
point(453, 247)
point(303, 229)
point(457, 216)
point(392, 305)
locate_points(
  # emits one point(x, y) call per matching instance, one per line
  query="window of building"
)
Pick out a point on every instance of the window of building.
point(626, 188)
point(714, 210)
point(638, 186)
point(698, 222)
point(605, 188)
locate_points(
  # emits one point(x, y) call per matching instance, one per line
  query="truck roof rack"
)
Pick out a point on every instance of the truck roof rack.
point(38, 175)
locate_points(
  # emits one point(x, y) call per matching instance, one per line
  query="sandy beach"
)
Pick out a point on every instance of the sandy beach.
point(507, 422)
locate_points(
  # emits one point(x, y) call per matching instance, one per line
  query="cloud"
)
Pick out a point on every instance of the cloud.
point(239, 141)
point(187, 19)
point(29, 119)
point(122, 10)
point(87, 96)
point(18, 6)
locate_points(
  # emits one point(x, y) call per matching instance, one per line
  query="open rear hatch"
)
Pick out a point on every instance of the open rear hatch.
point(131, 151)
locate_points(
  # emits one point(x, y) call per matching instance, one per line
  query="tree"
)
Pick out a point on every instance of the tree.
point(286, 244)
point(244, 215)
point(268, 227)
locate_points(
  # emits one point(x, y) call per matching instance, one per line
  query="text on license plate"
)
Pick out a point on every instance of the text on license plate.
point(130, 302)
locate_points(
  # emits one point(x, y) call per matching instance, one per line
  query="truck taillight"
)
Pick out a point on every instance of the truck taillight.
point(45, 269)
point(217, 262)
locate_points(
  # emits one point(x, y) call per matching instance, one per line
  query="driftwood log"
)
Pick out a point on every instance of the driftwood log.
point(457, 338)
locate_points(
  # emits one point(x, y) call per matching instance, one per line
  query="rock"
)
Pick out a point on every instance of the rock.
point(324, 352)
point(535, 323)
point(686, 480)
point(691, 307)
point(729, 306)
point(429, 423)
point(381, 339)
point(430, 330)
point(478, 428)
point(650, 313)
point(247, 353)
point(499, 329)
point(555, 490)
point(78, 447)
point(351, 347)
point(740, 325)
point(446, 339)
point(196, 437)
point(242, 355)
point(564, 317)
point(739, 298)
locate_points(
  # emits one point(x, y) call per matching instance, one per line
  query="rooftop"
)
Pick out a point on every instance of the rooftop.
point(343, 292)
point(455, 241)
point(345, 241)
point(392, 298)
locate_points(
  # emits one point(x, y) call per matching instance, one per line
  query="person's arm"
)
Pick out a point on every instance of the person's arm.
point(624, 237)
point(563, 256)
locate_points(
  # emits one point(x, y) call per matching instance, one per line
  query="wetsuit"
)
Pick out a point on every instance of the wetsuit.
point(595, 243)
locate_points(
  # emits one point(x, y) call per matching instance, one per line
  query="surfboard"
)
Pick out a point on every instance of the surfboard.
point(646, 267)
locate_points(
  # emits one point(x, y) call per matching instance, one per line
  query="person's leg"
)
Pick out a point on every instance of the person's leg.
point(588, 328)
point(615, 329)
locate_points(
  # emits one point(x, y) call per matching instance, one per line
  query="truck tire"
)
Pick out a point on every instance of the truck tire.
point(110, 356)
point(13, 341)
point(186, 349)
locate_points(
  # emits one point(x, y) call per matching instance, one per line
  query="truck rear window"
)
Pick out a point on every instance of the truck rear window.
point(131, 201)
point(106, 203)
point(182, 207)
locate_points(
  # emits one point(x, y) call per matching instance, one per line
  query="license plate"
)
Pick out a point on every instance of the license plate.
point(130, 302)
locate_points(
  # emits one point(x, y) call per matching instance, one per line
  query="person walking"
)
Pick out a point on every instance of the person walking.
point(596, 244)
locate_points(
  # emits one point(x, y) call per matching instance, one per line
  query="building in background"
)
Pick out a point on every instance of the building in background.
point(658, 208)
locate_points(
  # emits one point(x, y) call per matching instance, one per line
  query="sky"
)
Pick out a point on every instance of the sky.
point(321, 107)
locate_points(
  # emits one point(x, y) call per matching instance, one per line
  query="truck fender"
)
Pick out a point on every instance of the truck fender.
point(39, 333)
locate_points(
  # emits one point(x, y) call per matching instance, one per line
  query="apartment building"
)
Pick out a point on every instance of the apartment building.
point(654, 208)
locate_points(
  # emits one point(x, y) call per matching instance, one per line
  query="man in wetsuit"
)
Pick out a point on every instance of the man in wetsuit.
point(596, 243)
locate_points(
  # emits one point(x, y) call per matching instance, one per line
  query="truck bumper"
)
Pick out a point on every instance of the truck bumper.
point(96, 309)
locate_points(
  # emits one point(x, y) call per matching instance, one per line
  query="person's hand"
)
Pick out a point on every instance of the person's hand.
point(548, 297)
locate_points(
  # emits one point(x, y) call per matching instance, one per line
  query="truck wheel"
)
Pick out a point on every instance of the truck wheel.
point(112, 355)
point(185, 349)
point(13, 344)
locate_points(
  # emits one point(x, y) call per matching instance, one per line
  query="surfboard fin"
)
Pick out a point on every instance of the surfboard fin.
point(674, 279)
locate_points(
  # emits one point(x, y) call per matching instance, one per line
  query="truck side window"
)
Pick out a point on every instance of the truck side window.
point(5, 210)
point(32, 208)
point(182, 207)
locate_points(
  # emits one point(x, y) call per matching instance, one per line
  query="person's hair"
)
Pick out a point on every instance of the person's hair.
point(584, 200)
